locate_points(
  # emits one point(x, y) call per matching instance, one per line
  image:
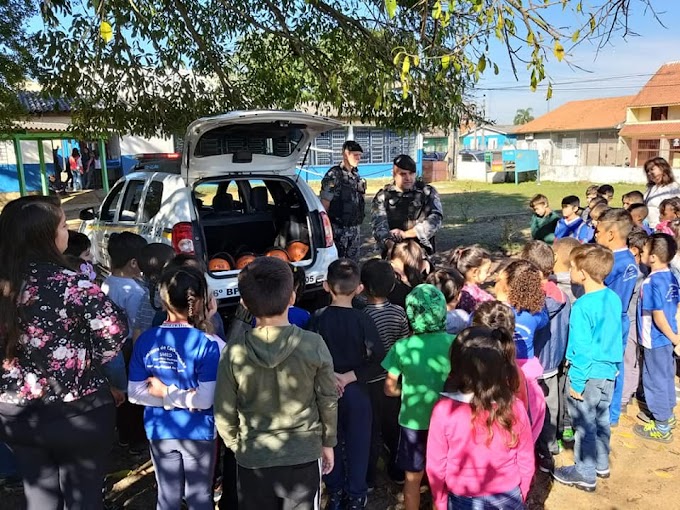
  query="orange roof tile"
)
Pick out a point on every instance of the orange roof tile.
point(656, 129)
point(603, 113)
point(662, 89)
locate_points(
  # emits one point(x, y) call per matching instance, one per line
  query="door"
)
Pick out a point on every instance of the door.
point(569, 151)
point(107, 217)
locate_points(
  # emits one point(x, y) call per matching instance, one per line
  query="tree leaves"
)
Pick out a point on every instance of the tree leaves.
point(558, 51)
point(391, 7)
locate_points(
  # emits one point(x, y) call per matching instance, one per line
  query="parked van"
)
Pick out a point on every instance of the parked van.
point(236, 194)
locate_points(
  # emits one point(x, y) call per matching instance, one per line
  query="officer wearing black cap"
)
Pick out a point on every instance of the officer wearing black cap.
point(406, 208)
point(342, 194)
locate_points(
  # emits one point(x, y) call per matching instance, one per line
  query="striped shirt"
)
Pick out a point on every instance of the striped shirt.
point(391, 322)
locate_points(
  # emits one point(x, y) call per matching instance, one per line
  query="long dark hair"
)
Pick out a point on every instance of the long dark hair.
point(28, 229)
point(411, 254)
point(479, 366)
point(152, 259)
point(668, 176)
point(185, 290)
point(466, 258)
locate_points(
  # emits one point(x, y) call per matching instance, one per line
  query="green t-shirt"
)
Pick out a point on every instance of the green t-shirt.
point(423, 363)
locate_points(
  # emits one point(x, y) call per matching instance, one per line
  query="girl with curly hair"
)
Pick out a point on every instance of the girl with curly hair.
point(519, 285)
point(480, 453)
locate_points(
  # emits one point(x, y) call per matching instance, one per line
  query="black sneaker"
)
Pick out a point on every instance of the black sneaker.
point(603, 473)
point(335, 501)
point(357, 503)
point(546, 464)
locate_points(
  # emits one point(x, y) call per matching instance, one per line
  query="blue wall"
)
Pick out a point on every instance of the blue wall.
point(9, 177)
point(367, 171)
point(483, 141)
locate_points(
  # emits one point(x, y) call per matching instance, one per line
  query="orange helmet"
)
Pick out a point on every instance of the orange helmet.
point(297, 250)
point(244, 260)
point(219, 264)
point(278, 253)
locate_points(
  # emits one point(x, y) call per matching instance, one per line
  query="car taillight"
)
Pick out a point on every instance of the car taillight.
point(327, 229)
point(183, 238)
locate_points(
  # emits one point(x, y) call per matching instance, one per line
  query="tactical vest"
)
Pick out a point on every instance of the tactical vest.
point(405, 209)
point(347, 207)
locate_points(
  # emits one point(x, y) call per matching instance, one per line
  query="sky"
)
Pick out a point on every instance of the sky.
point(620, 69)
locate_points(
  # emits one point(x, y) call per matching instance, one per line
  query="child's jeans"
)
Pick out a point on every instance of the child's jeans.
point(510, 500)
point(8, 465)
point(354, 443)
point(564, 420)
point(590, 420)
point(631, 366)
point(658, 381)
point(385, 431)
point(615, 408)
point(77, 180)
point(184, 470)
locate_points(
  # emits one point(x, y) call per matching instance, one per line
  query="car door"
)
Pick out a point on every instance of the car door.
point(103, 223)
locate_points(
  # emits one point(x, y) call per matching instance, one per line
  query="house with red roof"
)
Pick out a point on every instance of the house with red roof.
point(579, 133)
point(652, 125)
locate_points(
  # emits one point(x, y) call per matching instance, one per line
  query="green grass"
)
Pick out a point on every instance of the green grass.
point(494, 215)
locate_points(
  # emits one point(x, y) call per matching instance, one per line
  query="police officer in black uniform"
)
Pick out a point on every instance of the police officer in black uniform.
point(342, 194)
point(406, 208)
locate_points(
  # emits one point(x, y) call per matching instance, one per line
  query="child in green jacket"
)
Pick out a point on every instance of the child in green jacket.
point(544, 220)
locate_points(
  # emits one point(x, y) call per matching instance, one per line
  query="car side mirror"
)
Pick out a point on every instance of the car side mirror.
point(87, 214)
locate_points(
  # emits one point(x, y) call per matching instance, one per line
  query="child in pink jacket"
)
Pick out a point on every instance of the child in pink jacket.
point(475, 459)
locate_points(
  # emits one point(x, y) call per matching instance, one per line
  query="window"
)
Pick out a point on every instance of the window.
point(660, 113)
point(152, 201)
point(647, 149)
point(131, 201)
point(110, 204)
point(273, 139)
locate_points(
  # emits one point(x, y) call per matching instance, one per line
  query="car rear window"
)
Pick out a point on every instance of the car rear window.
point(270, 139)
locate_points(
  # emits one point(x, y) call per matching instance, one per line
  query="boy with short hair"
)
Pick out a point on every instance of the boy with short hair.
point(275, 397)
point(571, 224)
point(658, 330)
point(357, 350)
point(422, 361)
point(124, 289)
point(562, 249)
point(544, 220)
point(594, 352)
point(550, 345)
point(606, 191)
point(612, 232)
point(631, 198)
point(377, 277)
point(639, 213)
point(591, 193)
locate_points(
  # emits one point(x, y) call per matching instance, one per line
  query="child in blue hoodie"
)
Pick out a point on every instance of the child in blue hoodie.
point(550, 345)
point(571, 224)
point(612, 232)
point(594, 352)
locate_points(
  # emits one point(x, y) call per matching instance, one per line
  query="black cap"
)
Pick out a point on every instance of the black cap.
point(405, 163)
point(352, 146)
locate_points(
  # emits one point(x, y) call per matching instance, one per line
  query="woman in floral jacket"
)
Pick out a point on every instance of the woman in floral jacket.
point(56, 330)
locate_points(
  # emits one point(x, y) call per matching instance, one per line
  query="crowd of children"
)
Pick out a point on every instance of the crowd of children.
point(477, 374)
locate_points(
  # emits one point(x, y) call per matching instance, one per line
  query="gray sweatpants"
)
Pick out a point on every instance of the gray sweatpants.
point(631, 366)
point(184, 469)
point(547, 440)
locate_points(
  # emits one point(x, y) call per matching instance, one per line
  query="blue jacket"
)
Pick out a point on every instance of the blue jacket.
point(550, 342)
point(576, 229)
point(594, 349)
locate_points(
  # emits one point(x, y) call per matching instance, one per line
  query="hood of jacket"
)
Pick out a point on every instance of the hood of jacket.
point(426, 309)
point(269, 346)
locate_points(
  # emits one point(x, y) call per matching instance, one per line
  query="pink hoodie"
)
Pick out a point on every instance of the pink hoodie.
point(459, 461)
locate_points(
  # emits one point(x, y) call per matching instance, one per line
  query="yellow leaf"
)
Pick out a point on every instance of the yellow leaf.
point(404, 89)
point(549, 94)
point(406, 65)
point(396, 58)
point(391, 7)
point(530, 38)
point(378, 103)
point(105, 31)
point(445, 61)
point(437, 10)
point(662, 474)
point(576, 36)
point(416, 60)
point(558, 50)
